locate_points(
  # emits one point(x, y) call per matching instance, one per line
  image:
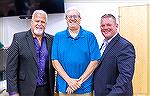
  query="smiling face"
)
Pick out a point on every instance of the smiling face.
point(108, 27)
point(73, 19)
point(38, 24)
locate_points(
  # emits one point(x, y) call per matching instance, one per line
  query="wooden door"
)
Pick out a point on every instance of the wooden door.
point(134, 25)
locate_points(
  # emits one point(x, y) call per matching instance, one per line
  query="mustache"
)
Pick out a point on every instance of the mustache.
point(39, 26)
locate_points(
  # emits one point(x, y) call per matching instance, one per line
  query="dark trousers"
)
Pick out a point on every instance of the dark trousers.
point(42, 91)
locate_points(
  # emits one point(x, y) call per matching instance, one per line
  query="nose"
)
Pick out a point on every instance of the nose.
point(72, 18)
point(39, 23)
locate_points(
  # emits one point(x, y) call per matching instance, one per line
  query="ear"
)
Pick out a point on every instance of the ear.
point(116, 25)
point(66, 18)
point(80, 17)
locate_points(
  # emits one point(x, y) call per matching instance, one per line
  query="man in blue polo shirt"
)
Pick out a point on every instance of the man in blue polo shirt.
point(75, 54)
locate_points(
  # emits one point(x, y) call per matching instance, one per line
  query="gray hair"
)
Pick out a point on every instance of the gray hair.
point(72, 8)
point(109, 15)
point(40, 12)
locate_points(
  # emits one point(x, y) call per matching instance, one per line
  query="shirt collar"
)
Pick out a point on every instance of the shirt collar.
point(80, 34)
point(111, 38)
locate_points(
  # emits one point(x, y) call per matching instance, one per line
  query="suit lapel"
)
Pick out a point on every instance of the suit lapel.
point(49, 40)
point(31, 44)
point(110, 45)
point(48, 43)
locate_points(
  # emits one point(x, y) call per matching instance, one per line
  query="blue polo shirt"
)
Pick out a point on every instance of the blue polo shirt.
point(74, 55)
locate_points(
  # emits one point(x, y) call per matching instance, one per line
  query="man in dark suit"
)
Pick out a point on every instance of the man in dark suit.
point(113, 76)
point(29, 71)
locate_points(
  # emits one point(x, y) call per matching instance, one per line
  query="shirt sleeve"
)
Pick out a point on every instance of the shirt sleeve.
point(94, 48)
point(55, 48)
point(12, 93)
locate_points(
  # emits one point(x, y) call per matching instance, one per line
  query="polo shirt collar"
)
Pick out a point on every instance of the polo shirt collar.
point(80, 34)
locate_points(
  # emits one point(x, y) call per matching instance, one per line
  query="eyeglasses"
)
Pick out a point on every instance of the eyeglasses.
point(72, 16)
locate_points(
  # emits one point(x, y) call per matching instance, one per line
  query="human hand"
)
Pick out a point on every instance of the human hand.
point(80, 81)
point(69, 90)
point(73, 84)
point(17, 94)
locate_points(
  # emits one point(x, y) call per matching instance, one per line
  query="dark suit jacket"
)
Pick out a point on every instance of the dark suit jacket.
point(22, 68)
point(113, 76)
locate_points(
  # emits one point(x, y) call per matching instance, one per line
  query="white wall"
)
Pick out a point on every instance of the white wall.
point(90, 14)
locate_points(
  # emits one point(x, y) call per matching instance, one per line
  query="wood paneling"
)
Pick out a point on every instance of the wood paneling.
point(134, 25)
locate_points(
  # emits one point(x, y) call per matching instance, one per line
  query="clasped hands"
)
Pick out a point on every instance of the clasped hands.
point(74, 84)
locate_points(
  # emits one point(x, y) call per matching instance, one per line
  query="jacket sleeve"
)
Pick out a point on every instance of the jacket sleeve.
point(12, 66)
point(125, 63)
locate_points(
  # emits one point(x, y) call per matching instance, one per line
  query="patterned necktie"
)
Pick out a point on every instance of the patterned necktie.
point(104, 45)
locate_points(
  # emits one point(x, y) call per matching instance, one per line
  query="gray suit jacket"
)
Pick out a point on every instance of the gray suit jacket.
point(113, 76)
point(22, 68)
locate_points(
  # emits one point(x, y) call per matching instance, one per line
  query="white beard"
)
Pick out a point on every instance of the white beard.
point(38, 31)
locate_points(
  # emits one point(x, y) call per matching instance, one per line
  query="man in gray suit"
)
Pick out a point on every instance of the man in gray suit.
point(113, 76)
point(29, 71)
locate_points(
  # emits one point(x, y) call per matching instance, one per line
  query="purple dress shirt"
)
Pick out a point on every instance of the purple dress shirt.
point(42, 58)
